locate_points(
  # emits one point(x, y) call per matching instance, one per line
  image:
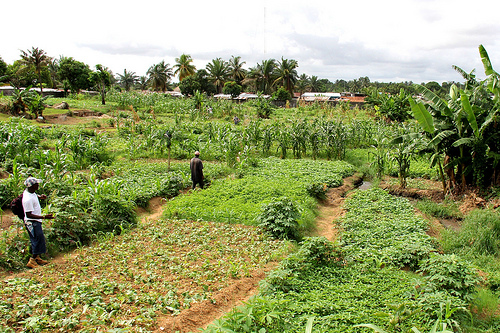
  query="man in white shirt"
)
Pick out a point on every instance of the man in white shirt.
point(33, 221)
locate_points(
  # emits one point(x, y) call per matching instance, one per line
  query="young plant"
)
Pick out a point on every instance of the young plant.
point(280, 219)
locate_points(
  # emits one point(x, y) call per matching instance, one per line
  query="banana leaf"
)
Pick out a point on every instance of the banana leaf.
point(423, 116)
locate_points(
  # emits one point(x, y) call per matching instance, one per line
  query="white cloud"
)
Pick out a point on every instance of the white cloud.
point(386, 40)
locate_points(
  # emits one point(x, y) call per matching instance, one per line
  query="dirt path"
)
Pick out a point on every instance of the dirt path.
point(331, 208)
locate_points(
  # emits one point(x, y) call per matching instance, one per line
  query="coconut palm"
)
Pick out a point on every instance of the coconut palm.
point(262, 76)
point(218, 71)
point(314, 84)
point(236, 70)
point(53, 69)
point(38, 58)
point(159, 76)
point(183, 66)
point(302, 83)
point(143, 82)
point(287, 74)
point(127, 80)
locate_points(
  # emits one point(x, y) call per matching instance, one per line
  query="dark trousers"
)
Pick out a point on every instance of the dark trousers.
point(37, 238)
point(200, 182)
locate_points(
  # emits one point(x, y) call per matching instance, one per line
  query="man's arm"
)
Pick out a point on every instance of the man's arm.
point(30, 215)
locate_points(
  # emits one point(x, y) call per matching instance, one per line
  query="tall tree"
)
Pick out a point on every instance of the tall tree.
point(302, 83)
point(218, 71)
point(262, 76)
point(74, 74)
point(314, 84)
point(198, 82)
point(159, 76)
point(127, 80)
point(38, 59)
point(236, 70)
point(143, 82)
point(101, 80)
point(287, 74)
point(183, 66)
point(3, 70)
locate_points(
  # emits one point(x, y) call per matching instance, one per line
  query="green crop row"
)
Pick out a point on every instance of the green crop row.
point(241, 200)
point(384, 228)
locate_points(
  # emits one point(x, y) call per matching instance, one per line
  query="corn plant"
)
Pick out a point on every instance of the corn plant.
point(282, 136)
point(298, 138)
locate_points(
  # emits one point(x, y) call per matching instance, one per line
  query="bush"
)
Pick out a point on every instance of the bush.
point(113, 213)
point(317, 190)
point(280, 219)
point(72, 225)
point(450, 273)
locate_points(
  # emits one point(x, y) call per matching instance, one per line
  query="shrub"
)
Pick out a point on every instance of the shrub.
point(112, 213)
point(450, 273)
point(317, 190)
point(72, 225)
point(280, 219)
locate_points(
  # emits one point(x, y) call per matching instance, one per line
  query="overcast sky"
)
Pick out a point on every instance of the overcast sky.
point(386, 40)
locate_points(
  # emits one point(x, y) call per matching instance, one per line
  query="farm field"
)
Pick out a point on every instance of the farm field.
point(279, 241)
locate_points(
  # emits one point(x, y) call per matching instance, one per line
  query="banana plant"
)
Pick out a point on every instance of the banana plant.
point(460, 126)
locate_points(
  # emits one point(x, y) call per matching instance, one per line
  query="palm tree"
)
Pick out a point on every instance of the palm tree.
point(37, 58)
point(127, 80)
point(143, 82)
point(236, 69)
point(302, 83)
point(287, 74)
point(262, 76)
point(159, 76)
point(183, 66)
point(314, 84)
point(218, 71)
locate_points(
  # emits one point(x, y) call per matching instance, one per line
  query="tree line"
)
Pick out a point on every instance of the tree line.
point(36, 68)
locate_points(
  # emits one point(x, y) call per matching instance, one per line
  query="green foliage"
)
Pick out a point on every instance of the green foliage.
point(394, 107)
point(317, 190)
point(313, 252)
point(444, 210)
point(264, 107)
point(461, 126)
point(479, 234)
point(382, 228)
point(130, 282)
point(75, 73)
point(232, 88)
point(14, 249)
point(451, 274)
point(282, 94)
point(338, 296)
point(280, 219)
point(240, 200)
point(485, 303)
point(142, 181)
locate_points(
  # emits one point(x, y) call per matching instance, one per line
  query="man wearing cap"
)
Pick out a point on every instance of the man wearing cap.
point(196, 170)
point(33, 221)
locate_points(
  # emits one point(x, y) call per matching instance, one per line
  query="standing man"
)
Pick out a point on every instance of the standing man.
point(196, 170)
point(33, 221)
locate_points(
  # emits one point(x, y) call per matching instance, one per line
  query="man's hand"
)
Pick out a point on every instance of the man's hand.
point(43, 197)
point(48, 216)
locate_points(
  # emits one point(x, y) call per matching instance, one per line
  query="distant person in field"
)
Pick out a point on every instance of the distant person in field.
point(33, 220)
point(196, 170)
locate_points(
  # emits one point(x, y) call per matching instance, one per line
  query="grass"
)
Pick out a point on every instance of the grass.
point(443, 210)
